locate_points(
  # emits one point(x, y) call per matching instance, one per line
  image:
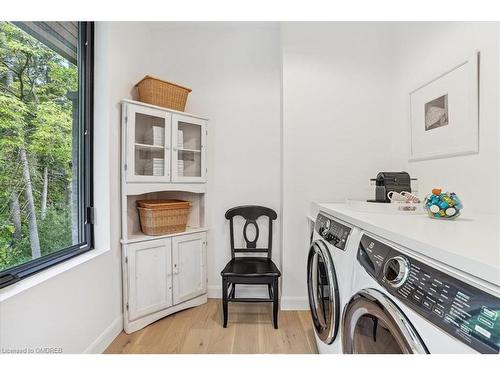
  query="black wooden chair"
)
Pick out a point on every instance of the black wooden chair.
point(250, 270)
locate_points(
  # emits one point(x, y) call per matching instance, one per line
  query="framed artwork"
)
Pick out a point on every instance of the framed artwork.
point(444, 114)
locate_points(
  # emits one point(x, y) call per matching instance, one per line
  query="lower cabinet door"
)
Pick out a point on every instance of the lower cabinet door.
point(149, 277)
point(189, 266)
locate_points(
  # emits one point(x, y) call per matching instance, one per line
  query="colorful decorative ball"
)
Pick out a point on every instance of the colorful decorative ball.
point(442, 205)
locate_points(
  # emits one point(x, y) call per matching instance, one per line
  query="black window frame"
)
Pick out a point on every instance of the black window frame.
point(85, 178)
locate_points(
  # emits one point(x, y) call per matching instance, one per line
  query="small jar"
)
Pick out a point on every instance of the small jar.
point(443, 205)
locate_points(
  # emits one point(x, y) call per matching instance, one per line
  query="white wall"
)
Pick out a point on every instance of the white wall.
point(335, 127)
point(79, 307)
point(421, 52)
point(234, 72)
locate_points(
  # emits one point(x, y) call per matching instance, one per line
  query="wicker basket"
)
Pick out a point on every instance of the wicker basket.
point(163, 216)
point(162, 93)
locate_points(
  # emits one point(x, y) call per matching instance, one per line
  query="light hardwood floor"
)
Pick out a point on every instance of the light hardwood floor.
point(199, 330)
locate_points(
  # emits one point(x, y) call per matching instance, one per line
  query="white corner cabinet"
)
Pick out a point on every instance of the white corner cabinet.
point(163, 157)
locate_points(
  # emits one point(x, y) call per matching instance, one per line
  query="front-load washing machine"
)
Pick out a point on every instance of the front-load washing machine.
point(329, 277)
point(403, 302)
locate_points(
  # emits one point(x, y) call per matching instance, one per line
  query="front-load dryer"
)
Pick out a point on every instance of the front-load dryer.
point(402, 302)
point(329, 278)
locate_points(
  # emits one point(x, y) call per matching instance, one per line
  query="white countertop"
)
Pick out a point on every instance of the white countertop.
point(469, 244)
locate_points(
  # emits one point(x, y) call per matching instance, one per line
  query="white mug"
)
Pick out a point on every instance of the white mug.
point(394, 196)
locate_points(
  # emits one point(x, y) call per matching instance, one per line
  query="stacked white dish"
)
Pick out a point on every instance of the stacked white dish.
point(154, 167)
point(158, 136)
point(180, 167)
point(180, 144)
point(180, 139)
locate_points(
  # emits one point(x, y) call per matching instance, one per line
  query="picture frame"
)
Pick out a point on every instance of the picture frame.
point(444, 113)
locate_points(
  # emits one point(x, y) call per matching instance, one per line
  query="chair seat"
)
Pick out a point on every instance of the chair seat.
point(251, 267)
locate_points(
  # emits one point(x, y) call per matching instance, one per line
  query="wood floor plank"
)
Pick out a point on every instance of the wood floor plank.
point(246, 339)
point(221, 339)
point(155, 333)
point(271, 340)
point(305, 320)
point(124, 343)
point(197, 340)
point(176, 334)
point(199, 330)
point(293, 334)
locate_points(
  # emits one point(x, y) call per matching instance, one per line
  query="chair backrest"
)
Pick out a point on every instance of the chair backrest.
point(251, 214)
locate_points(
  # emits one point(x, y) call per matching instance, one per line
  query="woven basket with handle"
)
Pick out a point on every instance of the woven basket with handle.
point(159, 217)
point(162, 93)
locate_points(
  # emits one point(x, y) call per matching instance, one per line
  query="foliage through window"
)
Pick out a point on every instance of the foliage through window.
point(45, 145)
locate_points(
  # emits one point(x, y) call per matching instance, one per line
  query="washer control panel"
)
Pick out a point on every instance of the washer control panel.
point(332, 231)
point(465, 312)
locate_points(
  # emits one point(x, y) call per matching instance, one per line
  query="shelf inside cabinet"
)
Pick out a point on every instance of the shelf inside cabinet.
point(195, 219)
point(144, 146)
point(187, 150)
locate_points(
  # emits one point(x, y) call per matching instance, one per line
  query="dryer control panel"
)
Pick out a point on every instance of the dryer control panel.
point(464, 311)
point(332, 231)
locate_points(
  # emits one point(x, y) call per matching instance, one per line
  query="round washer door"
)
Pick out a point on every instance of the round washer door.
point(323, 291)
point(373, 324)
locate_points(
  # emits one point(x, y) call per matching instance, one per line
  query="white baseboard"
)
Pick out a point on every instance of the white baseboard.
point(243, 291)
point(294, 303)
point(214, 291)
point(106, 338)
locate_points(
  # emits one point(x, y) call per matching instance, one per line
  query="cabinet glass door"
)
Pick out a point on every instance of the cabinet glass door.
point(148, 139)
point(188, 159)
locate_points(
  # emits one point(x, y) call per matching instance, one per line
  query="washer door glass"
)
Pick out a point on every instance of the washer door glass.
point(373, 324)
point(323, 291)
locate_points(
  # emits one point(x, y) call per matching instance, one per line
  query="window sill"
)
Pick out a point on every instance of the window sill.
point(41, 277)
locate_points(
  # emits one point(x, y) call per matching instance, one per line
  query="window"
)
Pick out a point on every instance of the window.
point(46, 84)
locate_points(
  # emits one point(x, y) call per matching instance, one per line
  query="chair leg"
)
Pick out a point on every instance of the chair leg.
point(224, 300)
point(275, 303)
point(269, 290)
point(233, 291)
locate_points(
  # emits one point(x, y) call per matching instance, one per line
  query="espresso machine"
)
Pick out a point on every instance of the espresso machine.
point(386, 182)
